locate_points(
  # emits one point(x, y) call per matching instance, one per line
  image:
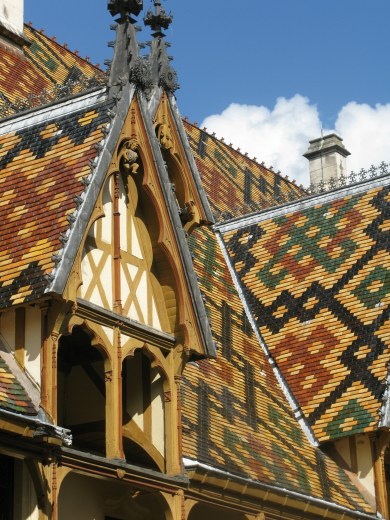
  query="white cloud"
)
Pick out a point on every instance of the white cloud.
point(280, 136)
point(366, 134)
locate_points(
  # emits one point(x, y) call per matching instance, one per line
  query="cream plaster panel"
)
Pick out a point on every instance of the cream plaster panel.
point(96, 297)
point(342, 446)
point(133, 270)
point(109, 332)
point(86, 273)
point(96, 255)
point(106, 279)
point(26, 504)
point(7, 328)
point(142, 297)
point(32, 360)
point(157, 396)
point(155, 319)
point(123, 215)
point(365, 463)
point(134, 392)
point(135, 243)
point(124, 284)
point(133, 313)
point(107, 208)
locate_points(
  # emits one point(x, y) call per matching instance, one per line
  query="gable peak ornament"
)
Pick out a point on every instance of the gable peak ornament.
point(163, 75)
point(125, 7)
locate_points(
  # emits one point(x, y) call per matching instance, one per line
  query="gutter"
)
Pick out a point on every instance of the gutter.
point(41, 428)
point(210, 471)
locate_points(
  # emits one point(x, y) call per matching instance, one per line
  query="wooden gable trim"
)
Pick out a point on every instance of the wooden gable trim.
point(194, 210)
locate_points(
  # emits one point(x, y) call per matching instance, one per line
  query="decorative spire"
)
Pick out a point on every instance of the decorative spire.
point(158, 20)
point(163, 75)
point(126, 49)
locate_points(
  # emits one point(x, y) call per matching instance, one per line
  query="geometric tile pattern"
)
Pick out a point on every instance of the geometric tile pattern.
point(235, 184)
point(41, 168)
point(235, 416)
point(13, 396)
point(318, 285)
point(46, 65)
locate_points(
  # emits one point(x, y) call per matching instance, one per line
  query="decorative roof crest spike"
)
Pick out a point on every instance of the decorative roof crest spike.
point(158, 20)
point(126, 49)
point(125, 7)
point(163, 75)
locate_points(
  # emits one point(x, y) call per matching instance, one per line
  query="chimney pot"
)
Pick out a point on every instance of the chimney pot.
point(327, 158)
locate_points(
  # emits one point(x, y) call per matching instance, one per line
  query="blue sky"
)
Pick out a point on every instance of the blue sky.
point(252, 52)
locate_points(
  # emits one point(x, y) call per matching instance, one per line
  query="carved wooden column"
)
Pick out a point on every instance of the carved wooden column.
point(44, 358)
point(113, 379)
point(52, 398)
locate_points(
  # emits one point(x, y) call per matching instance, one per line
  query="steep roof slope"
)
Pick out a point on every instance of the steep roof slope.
point(13, 397)
point(46, 65)
point(235, 415)
point(42, 166)
point(316, 277)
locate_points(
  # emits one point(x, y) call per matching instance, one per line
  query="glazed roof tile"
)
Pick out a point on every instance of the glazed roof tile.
point(317, 281)
point(13, 396)
point(45, 65)
point(234, 183)
point(235, 415)
point(41, 171)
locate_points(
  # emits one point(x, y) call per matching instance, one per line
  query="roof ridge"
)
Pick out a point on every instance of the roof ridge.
point(64, 46)
point(243, 155)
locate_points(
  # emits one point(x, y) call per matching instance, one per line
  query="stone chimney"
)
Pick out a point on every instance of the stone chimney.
point(327, 157)
point(11, 25)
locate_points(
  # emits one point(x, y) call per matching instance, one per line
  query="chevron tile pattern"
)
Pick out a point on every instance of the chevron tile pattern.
point(317, 282)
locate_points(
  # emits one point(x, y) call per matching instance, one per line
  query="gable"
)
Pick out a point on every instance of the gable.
point(134, 259)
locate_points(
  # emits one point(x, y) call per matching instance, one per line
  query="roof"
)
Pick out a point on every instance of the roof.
point(234, 183)
point(42, 167)
point(45, 65)
point(13, 397)
point(316, 278)
point(235, 415)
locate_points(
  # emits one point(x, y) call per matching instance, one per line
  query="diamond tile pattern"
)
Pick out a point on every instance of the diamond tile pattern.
point(317, 282)
point(45, 65)
point(13, 396)
point(235, 184)
point(235, 416)
point(41, 171)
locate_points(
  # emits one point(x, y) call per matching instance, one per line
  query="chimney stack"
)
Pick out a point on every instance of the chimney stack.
point(11, 25)
point(327, 157)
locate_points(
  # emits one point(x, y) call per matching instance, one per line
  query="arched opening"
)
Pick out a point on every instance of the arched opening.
point(143, 412)
point(86, 498)
point(81, 392)
point(206, 512)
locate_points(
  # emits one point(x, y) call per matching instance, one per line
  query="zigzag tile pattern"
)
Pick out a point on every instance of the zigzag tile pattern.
point(317, 282)
point(45, 65)
point(13, 396)
point(235, 184)
point(235, 416)
point(41, 168)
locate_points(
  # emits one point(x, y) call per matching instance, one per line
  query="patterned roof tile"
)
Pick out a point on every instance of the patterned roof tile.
point(235, 415)
point(45, 65)
point(318, 281)
point(41, 171)
point(13, 396)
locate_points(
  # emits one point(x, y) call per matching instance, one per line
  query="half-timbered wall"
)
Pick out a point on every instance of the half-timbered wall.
point(141, 296)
